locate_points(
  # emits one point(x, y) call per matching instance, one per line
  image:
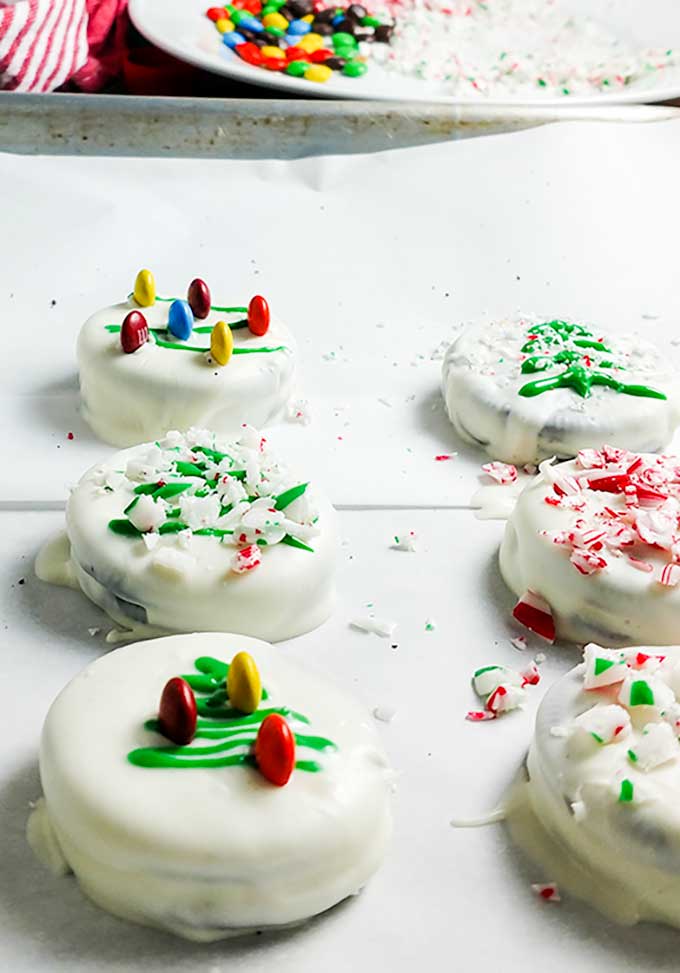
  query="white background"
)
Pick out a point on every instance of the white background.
point(572, 220)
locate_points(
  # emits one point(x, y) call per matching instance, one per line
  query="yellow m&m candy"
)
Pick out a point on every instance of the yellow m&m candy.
point(244, 686)
point(268, 51)
point(221, 343)
point(310, 43)
point(145, 288)
point(317, 72)
point(275, 20)
point(224, 25)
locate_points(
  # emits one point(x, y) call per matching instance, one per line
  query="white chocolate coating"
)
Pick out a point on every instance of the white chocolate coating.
point(206, 852)
point(621, 857)
point(557, 550)
point(482, 376)
point(132, 398)
point(156, 583)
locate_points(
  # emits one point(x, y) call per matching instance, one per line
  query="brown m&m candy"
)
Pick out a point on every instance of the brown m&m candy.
point(198, 298)
point(177, 711)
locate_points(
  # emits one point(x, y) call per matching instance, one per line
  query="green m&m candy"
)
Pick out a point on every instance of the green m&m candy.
point(354, 69)
point(297, 68)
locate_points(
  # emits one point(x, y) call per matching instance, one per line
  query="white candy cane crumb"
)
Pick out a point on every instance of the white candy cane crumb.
point(519, 642)
point(384, 713)
point(375, 626)
point(93, 631)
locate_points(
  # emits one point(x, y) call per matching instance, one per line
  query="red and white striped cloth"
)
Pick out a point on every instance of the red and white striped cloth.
point(44, 43)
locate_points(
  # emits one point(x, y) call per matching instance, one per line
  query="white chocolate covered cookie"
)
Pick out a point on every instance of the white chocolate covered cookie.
point(197, 533)
point(153, 363)
point(595, 542)
point(526, 389)
point(599, 811)
point(206, 785)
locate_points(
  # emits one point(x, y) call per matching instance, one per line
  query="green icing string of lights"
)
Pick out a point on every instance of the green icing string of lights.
point(219, 721)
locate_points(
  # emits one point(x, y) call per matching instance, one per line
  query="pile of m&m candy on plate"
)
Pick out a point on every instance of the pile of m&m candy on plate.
point(303, 38)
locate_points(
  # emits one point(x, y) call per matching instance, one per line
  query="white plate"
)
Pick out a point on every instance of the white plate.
point(181, 28)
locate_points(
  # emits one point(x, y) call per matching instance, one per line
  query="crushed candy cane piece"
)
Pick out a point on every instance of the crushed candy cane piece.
point(649, 691)
point(670, 575)
point(519, 642)
point(548, 892)
point(487, 679)
point(247, 559)
point(657, 745)
point(479, 716)
point(405, 542)
point(603, 667)
point(530, 675)
point(443, 457)
point(535, 613)
point(430, 625)
point(603, 724)
point(298, 411)
point(384, 713)
point(505, 698)
point(502, 473)
point(384, 628)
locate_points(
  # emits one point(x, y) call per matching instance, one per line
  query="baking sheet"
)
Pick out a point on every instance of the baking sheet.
point(374, 261)
point(445, 899)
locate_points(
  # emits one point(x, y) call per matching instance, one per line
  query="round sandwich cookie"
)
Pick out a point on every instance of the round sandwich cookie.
point(599, 810)
point(526, 389)
point(592, 549)
point(154, 363)
point(198, 533)
point(206, 785)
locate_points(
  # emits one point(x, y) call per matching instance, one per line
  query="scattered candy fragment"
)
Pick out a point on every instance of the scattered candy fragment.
point(548, 892)
point(221, 343)
point(258, 315)
point(375, 626)
point(384, 713)
point(145, 289)
point(505, 698)
point(626, 791)
point(198, 298)
point(535, 613)
point(298, 411)
point(247, 559)
point(443, 457)
point(430, 625)
point(603, 667)
point(603, 724)
point(519, 642)
point(134, 332)
point(405, 542)
point(657, 746)
point(487, 679)
point(502, 473)
point(180, 320)
point(244, 686)
point(479, 716)
point(177, 712)
point(275, 749)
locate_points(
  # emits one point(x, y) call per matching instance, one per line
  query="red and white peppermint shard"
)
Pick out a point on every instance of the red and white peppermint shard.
point(548, 892)
point(535, 613)
point(246, 559)
point(502, 473)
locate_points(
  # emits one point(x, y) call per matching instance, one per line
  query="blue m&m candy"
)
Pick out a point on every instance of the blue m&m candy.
point(251, 23)
point(299, 27)
point(232, 38)
point(180, 320)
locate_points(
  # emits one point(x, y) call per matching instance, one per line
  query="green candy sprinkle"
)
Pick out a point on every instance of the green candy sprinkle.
point(626, 792)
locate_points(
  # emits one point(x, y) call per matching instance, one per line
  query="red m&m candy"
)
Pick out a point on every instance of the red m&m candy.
point(249, 52)
point(177, 711)
point(275, 750)
point(198, 298)
point(217, 13)
point(134, 332)
point(258, 315)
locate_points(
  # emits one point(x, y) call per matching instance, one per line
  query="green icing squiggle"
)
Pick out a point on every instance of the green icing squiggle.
point(562, 343)
point(219, 721)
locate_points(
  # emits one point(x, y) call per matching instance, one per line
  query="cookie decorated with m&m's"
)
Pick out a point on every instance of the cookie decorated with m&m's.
point(207, 803)
point(153, 363)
